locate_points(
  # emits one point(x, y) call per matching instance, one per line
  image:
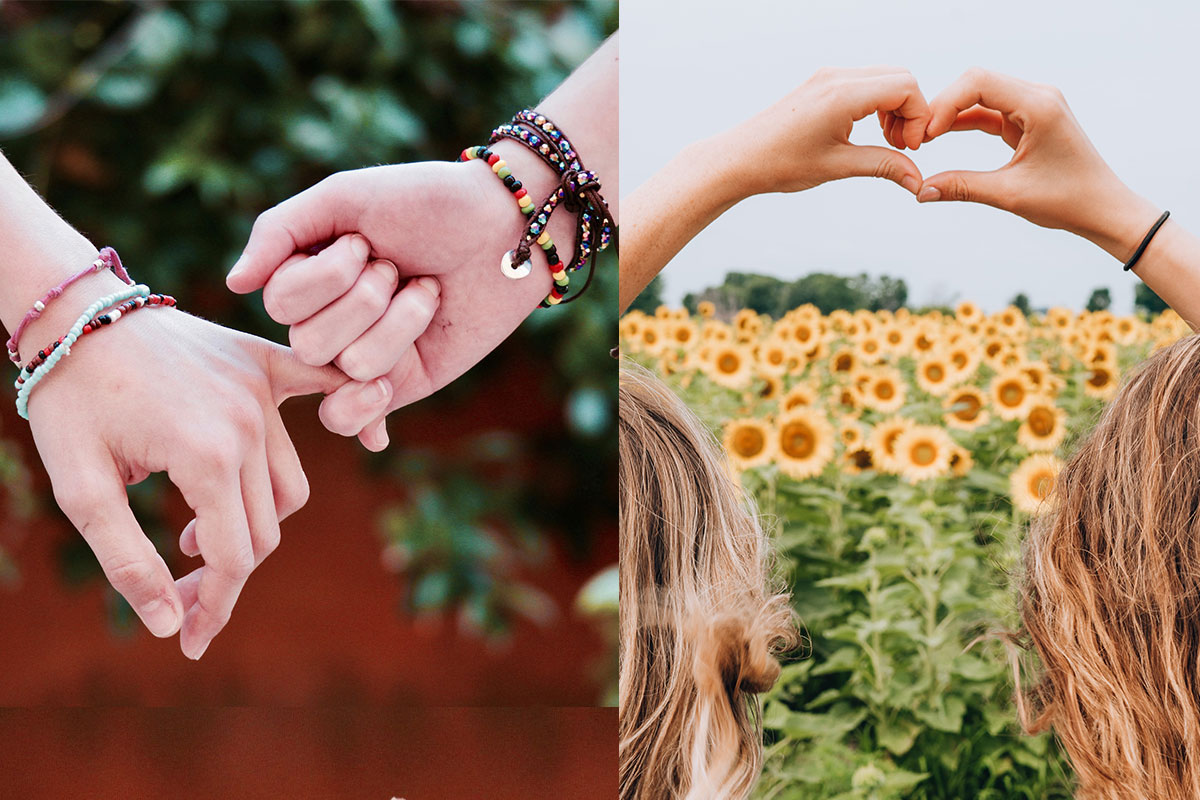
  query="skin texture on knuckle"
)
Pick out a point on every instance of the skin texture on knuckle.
point(292, 496)
point(306, 346)
point(360, 364)
point(137, 581)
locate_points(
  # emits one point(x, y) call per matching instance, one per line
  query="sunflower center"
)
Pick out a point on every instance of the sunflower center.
point(884, 390)
point(775, 357)
point(923, 454)
point(797, 440)
point(1041, 484)
point(1041, 421)
point(862, 458)
point(1011, 394)
point(748, 442)
point(728, 363)
point(935, 373)
point(843, 363)
point(803, 334)
point(971, 409)
point(1099, 378)
point(959, 358)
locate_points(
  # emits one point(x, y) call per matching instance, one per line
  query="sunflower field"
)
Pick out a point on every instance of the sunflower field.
point(896, 459)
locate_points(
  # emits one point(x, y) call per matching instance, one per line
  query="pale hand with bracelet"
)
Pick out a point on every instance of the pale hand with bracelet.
point(159, 391)
point(450, 222)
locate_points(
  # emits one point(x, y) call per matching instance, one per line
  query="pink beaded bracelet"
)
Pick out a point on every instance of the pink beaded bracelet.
point(108, 259)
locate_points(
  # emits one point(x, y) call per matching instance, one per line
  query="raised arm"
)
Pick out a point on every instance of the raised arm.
point(800, 142)
point(1057, 179)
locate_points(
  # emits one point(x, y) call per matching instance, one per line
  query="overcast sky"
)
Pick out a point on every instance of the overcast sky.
point(1128, 70)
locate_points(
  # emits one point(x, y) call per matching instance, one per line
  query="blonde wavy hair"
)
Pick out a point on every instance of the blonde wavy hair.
point(1111, 592)
point(701, 621)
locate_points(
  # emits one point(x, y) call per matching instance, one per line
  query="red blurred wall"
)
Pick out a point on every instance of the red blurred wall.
point(319, 623)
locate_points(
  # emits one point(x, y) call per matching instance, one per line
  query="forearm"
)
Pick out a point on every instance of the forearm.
point(584, 107)
point(40, 249)
point(670, 208)
point(1171, 267)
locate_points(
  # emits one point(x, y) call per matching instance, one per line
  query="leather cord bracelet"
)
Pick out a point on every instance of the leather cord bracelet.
point(1137, 254)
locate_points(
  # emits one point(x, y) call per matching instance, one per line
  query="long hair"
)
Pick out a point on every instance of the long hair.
point(1111, 592)
point(701, 621)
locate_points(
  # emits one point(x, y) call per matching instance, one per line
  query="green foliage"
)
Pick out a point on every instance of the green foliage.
point(1099, 300)
point(165, 129)
point(649, 298)
point(1144, 299)
point(769, 295)
point(1021, 301)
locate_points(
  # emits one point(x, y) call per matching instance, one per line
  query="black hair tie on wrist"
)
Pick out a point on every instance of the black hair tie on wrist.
point(1146, 242)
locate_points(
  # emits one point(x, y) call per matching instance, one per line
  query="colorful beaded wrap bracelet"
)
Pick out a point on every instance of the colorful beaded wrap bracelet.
point(108, 259)
point(516, 263)
point(94, 324)
point(25, 387)
point(579, 188)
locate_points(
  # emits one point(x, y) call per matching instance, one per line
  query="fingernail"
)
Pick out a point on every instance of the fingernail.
point(360, 247)
point(161, 618)
point(380, 434)
point(381, 389)
point(929, 194)
point(238, 266)
point(388, 269)
point(196, 655)
point(911, 183)
point(430, 284)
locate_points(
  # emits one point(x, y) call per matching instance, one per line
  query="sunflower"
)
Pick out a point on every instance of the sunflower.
point(772, 388)
point(716, 331)
point(1044, 427)
point(1011, 394)
point(885, 392)
point(882, 442)
point(706, 309)
point(681, 333)
point(870, 348)
point(748, 442)
point(857, 460)
point(935, 375)
point(773, 356)
point(923, 452)
point(729, 366)
point(848, 398)
point(1101, 382)
point(651, 340)
point(967, 312)
point(961, 461)
point(1033, 481)
point(804, 443)
point(800, 395)
point(966, 408)
point(897, 340)
point(850, 433)
point(964, 356)
point(843, 359)
point(662, 312)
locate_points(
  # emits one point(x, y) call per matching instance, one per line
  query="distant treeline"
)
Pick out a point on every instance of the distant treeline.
point(770, 295)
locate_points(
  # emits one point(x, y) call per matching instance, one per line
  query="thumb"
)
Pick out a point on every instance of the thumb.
point(988, 188)
point(317, 215)
point(291, 377)
point(880, 162)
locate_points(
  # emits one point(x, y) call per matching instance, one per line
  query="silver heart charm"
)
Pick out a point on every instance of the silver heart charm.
point(515, 271)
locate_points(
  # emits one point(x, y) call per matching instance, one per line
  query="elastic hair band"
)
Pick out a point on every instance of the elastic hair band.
point(1146, 242)
point(108, 259)
point(24, 389)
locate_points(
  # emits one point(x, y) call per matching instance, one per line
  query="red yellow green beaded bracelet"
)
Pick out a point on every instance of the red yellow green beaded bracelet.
point(516, 263)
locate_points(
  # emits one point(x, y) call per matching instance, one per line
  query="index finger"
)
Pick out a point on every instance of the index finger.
point(974, 87)
point(897, 93)
point(320, 213)
point(223, 538)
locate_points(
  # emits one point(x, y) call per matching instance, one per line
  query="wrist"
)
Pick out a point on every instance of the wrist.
point(1121, 224)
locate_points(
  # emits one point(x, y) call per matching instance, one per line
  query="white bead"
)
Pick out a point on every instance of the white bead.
point(39, 306)
point(115, 314)
point(514, 271)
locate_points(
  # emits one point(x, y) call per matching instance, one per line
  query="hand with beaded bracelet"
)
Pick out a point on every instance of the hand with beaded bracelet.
point(452, 222)
point(159, 390)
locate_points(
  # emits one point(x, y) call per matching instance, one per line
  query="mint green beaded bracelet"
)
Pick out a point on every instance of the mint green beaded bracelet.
point(25, 388)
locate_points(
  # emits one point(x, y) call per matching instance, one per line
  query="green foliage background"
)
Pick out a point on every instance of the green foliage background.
point(164, 129)
point(766, 294)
